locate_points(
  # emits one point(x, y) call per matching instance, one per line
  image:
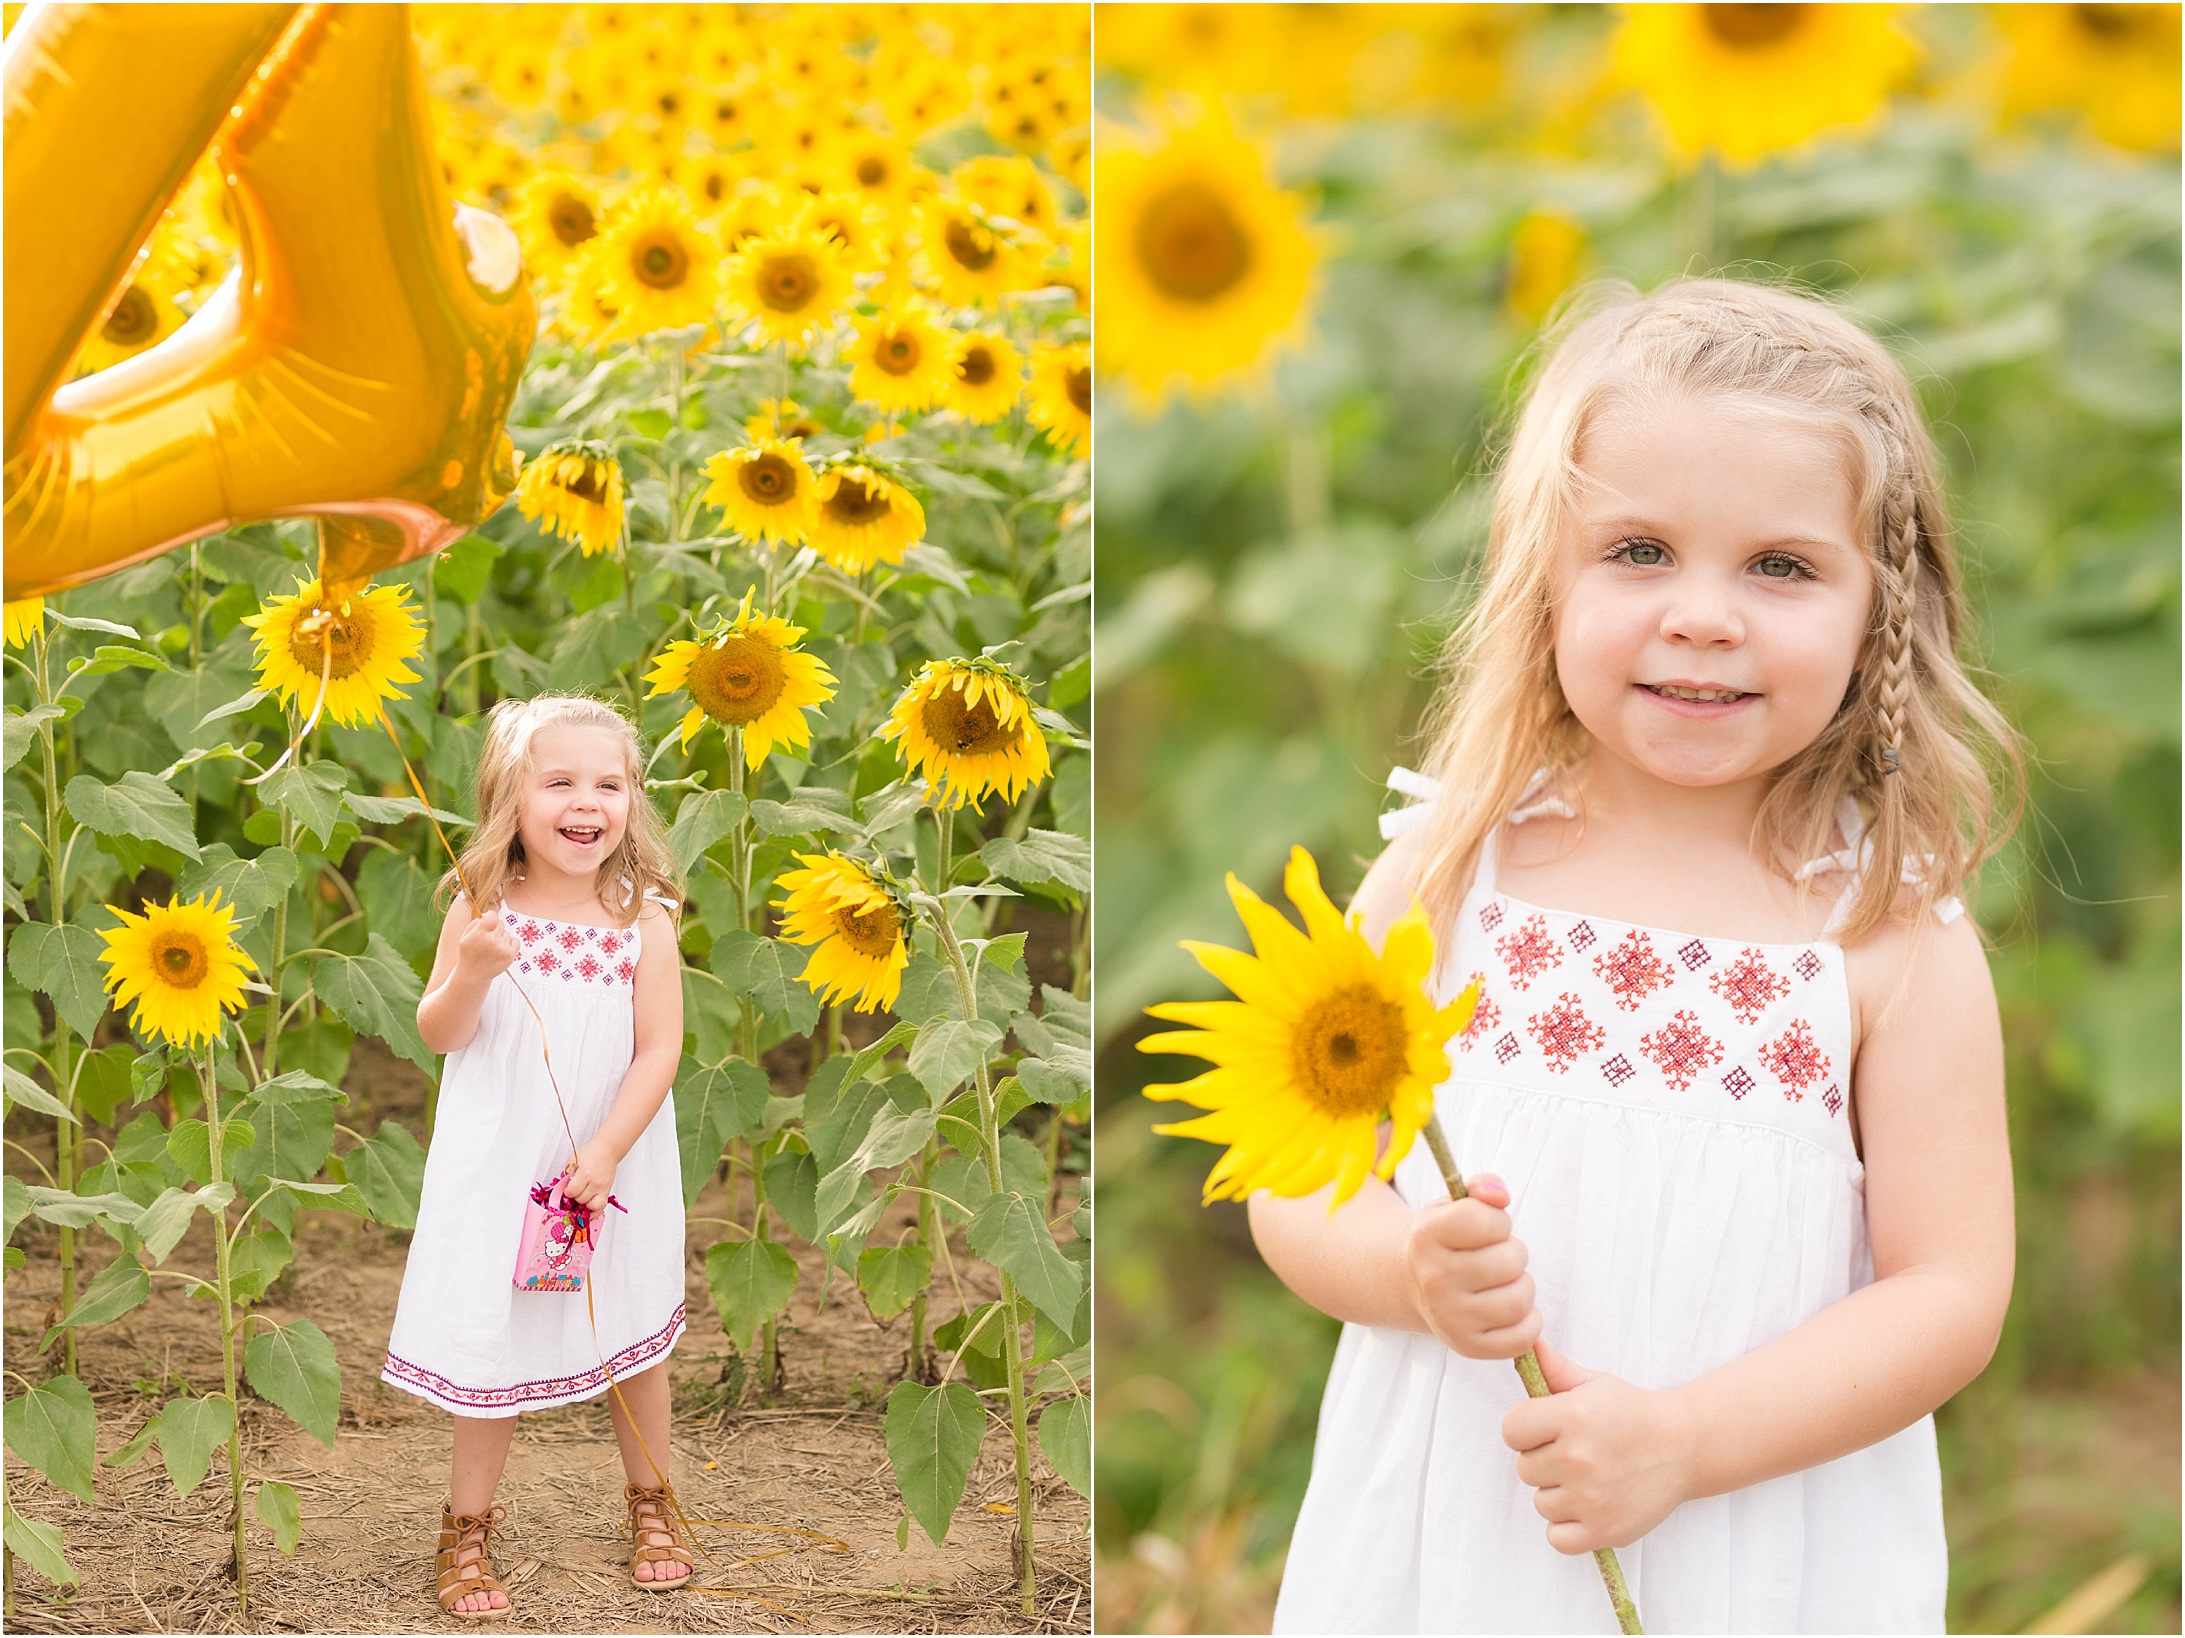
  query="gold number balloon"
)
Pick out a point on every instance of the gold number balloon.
point(358, 365)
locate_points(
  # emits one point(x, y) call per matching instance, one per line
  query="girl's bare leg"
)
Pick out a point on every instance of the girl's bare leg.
point(481, 1451)
point(646, 1394)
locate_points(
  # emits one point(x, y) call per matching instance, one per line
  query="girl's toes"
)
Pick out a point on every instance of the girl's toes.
point(644, 1572)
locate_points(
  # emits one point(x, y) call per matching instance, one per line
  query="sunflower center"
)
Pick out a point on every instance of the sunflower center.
point(966, 730)
point(1078, 384)
point(872, 171)
point(1347, 1051)
point(967, 246)
point(855, 502)
point(321, 633)
point(2108, 24)
point(872, 933)
point(1754, 28)
point(182, 960)
point(662, 263)
point(898, 353)
point(738, 680)
point(976, 367)
point(590, 484)
point(768, 479)
point(788, 283)
point(1191, 244)
point(134, 320)
point(570, 220)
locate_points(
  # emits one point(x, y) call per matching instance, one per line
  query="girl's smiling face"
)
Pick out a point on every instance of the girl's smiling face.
point(576, 804)
point(1712, 594)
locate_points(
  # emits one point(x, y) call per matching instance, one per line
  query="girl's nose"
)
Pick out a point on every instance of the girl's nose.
point(1702, 613)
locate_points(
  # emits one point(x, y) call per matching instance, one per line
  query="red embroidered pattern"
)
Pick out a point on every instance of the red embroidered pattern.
point(1832, 1099)
point(1738, 1082)
point(1490, 915)
point(553, 1390)
point(1507, 1048)
point(1565, 1033)
point(1694, 955)
point(1680, 1049)
point(609, 943)
point(1750, 985)
point(1485, 1016)
point(587, 965)
point(625, 969)
point(1632, 970)
point(1617, 1070)
point(1529, 951)
point(1793, 1059)
point(571, 937)
point(1807, 966)
point(530, 932)
point(1582, 936)
point(545, 961)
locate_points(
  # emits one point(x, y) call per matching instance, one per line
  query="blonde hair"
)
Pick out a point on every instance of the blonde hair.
point(640, 862)
point(1915, 743)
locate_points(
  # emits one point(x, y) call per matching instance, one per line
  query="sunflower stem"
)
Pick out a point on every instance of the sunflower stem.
point(64, 1139)
point(1536, 1386)
point(271, 1058)
point(224, 1293)
point(928, 1215)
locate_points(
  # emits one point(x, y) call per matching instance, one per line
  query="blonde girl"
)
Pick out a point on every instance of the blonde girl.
point(1707, 781)
point(559, 949)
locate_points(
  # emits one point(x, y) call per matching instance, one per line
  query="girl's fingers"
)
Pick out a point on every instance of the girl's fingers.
point(1488, 1189)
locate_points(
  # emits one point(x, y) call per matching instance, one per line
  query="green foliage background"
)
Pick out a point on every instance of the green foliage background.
point(1273, 572)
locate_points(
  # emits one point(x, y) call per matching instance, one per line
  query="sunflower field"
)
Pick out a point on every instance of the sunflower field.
point(1325, 239)
point(805, 492)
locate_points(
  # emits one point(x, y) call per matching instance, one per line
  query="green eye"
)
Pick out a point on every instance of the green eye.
point(1644, 554)
point(1779, 568)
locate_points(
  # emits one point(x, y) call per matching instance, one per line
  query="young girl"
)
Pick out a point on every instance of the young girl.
point(1708, 787)
point(574, 953)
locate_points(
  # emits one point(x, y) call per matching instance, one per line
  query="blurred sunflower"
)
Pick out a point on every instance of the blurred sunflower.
point(791, 283)
point(878, 168)
point(142, 316)
point(858, 924)
point(589, 312)
point(2117, 63)
point(1204, 266)
point(1008, 185)
point(26, 618)
point(974, 261)
point(1061, 399)
point(1751, 80)
point(361, 645)
point(755, 210)
point(1325, 1040)
point(178, 965)
point(656, 264)
point(901, 359)
point(987, 376)
point(557, 215)
point(1544, 252)
point(574, 489)
point(782, 418)
point(764, 490)
point(967, 728)
point(864, 518)
point(749, 675)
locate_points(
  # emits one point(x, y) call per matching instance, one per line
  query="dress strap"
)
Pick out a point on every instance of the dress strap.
point(1853, 860)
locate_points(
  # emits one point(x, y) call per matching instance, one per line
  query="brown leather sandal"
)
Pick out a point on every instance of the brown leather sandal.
point(646, 1506)
point(465, 1562)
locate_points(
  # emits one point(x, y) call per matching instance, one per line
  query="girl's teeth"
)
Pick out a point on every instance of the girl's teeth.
point(1704, 696)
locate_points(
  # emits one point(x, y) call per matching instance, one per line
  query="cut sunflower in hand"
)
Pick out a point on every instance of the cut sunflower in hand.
point(901, 360)
point(750, 675)
point(178, 965)
point(864, 517)
point(967, 728)
point(1325, 1040)
point(857, 920)
point(574, 489)
point(789, 283)
point(360, 645)
point(987, 377)
point(1061, 400)
point(764, 490)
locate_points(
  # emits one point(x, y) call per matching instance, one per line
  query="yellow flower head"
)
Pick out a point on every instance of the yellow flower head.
point(1008, 185)
point(26, 618)
point(987, 376)
point(878, 168)
point(966, 727)
point(145, 313)
point(901, 359)
point(864, 518)
point(856, 921)
point(574, 490)
point(749, 674)
point(791, 283)
point(557, 215)
point(859, 228)
point(2119, 64)
point(658, 267)
point(361, 645)
point(764, 490)
point(1544, 256)
point(975, 260)
point(782, 418)
point(1062, 397)
point(1324, 1041)
point(179, 965)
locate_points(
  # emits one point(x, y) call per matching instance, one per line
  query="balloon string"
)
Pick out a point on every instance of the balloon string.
point(326, 681)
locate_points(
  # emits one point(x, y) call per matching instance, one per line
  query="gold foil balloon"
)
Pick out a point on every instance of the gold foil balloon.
point(357, 366)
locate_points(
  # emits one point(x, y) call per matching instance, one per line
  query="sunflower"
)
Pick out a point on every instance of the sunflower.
point(2117, 63)
point(1204, 265)
point(755, 210)
point(143, 315)
point(656, 264)
point(1544, 253)
point(966, 726)
point(764, 489)
point(1324, 1041)
point(878, 168)
point(26, 618)
point(901, 360)
point(858, 923)
point(1062, 397)
point(362, 645)
point(179, 963)
point(791, 282)
point(1008, 185)
point(864, 518)
point(861, 229)
point(748, 674)
point(987, 376)
point(557, 215)
point(973, 259)
point(1751, 80)
point(782, 418)
point(575, 490)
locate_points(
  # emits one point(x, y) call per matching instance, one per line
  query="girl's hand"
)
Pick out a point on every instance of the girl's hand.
point(486, 950)
point(590, 1177)
point(1607, 1460)
point(1466, 1275)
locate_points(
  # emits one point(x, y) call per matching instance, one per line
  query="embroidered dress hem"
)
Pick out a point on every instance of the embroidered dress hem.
point(542, 1394)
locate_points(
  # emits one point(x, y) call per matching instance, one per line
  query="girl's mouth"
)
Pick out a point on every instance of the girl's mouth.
point(1697, 696)
point(582, 835)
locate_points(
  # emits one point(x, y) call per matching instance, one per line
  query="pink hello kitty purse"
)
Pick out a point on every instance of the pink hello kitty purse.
point(557, 1242)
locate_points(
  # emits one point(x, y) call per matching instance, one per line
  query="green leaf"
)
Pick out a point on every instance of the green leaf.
point(388, 1169)
point(189, 1145)
point(1063, 1078)
point(975, 1338)
point(949, 1049)
point(252, 886)
point(258, 1259)
point(792, 1183)
point(752, 1281)
point(139, 1442)
point(80, 622)
point(1065, 1439)
point(713, 1104)
point(294, 1368)
point(813, 809)
point(18, 1204)
point(60, 1207)
point(279, 1510)
point(167, 1218)
point(335, 1196)
point(392, 810)
point(54, 1428)
point(190, 1430)
point(1011, 1233)
point(703, 819)
point(39, 1546)
point(461, 571)
point(376, 993)
point(838, 1111)
point(650, 423)
point(930, 990)
point(312, 791)
point(766, 969)
point(22, 732)
point(1042, 856)
point(25, 1093)
point(118, 1287)
point(108, 658)
point(135, 805)
point(293, 1136)
point(933, 1438)
point(63, 963)
point(890, 1276)
point(235, 707)
point(102, 1081)
point(962, 1177)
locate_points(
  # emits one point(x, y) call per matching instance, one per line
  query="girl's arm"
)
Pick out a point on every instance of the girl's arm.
point(1610, 1460)
point(473, 951)
point(657, 1048)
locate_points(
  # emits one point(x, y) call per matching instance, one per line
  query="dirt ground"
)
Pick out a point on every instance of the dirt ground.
point(803, 1481)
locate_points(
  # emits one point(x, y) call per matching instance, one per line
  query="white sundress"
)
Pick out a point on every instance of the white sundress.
point(464, 1337)
point(1669, 1113)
